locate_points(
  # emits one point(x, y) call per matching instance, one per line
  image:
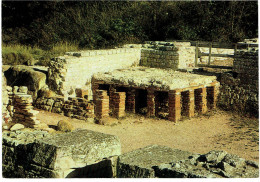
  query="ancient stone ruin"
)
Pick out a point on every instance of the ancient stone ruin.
point(163, 93)
point(156, 79)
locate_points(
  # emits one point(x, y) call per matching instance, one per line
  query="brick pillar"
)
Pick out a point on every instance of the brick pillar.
point(94, 89)
point(212, 95)
point(188, 104)
point(201, 100)
point(174, 105)
point(131, 100)
point(119, 104)
point(101, 104)
point(112, 90)
point(150, 103)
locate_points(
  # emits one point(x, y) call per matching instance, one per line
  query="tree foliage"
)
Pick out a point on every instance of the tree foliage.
point(104, 24)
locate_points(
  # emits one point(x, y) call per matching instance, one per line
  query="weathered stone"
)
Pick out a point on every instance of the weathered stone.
point(39, 154)
point(17, 126)
point(25, 76)
point(71, 72)
point(23, 89)
point(234, 160)
point(50, 130)
point(75, 149)
point(215, 164)
point(64, 126)
point(213, 156)
point(41, 126)
point(239, 90)
point(151, 77)
point(139, 163)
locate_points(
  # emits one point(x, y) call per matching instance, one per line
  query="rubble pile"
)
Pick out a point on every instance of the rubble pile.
point(23, 109)
point(74, 107)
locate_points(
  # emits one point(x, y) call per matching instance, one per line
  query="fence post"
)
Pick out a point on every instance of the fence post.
point(210, 46)
point(196, 54)
point(235, 49)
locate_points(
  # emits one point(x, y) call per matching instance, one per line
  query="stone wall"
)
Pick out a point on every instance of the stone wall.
point(74, 70)
point(239, 90)
point(174, 55)
point(6, 101)
point(74, 107)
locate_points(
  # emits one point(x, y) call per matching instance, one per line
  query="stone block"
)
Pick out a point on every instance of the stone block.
point(140, 163)
point(75, 149)
point(215, 164)
point(81, 92)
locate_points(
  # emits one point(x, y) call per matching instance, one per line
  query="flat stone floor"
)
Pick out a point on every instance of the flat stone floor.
point(160, 78)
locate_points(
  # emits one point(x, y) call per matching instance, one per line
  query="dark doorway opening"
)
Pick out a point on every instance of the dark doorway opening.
point(184, 103)
point(104, 87)
point(210, 97)
point(161, 104)
point(141, 101)
point(198, 99)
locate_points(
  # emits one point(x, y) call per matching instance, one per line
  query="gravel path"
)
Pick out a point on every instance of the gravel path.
point(217, 130)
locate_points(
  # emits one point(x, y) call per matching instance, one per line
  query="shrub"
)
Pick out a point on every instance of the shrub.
point(17, 54)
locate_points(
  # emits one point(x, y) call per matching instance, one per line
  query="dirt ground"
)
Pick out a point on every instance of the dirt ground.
point(217, 130)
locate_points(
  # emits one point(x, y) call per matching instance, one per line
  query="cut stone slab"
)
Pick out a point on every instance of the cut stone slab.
point(140, 163)
point(159, 78)
point(75, 149)
point(40, 154)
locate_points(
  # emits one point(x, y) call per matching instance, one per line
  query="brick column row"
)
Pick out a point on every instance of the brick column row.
point(174, 105)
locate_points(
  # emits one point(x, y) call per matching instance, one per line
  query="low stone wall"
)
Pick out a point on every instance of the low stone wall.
point(75, 70)
point(174, 55)
point(39, 154)
point(79, 108)
point(246, 65)
point(239, 90)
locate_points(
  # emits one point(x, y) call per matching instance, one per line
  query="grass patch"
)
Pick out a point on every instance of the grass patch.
point(17, 54)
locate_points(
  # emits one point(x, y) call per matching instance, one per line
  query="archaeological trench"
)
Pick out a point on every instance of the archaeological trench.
point(156, 79)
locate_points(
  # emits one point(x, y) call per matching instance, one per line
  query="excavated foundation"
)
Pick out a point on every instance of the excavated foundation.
point(154, 92)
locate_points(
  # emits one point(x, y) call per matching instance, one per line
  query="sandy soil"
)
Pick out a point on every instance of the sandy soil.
point(217, 130)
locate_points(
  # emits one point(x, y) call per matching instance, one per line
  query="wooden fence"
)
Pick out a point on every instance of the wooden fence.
point(221, 45)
